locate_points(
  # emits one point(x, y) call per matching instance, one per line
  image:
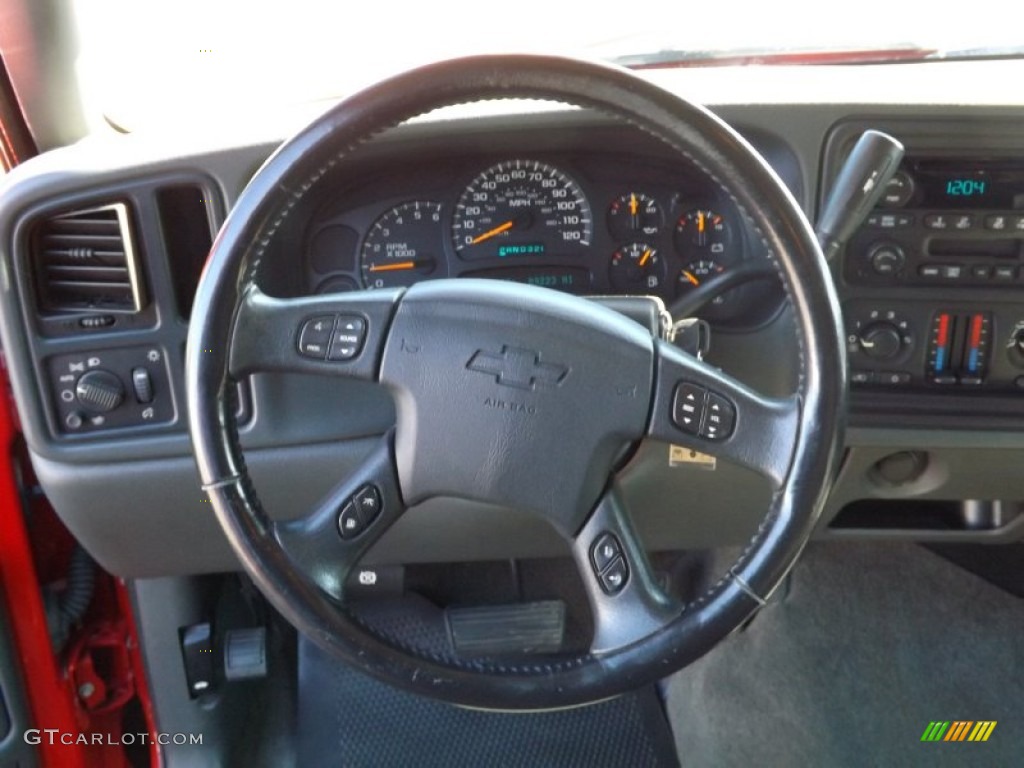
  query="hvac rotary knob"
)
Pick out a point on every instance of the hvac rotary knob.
point(99, 391)
point(881, 341)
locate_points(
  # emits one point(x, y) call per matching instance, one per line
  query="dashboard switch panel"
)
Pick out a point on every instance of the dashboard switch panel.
point(89, 390)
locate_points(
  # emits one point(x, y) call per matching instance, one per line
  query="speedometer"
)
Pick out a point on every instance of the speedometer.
point(521, 208)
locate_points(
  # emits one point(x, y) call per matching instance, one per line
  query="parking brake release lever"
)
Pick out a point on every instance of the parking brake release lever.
point(859, 185)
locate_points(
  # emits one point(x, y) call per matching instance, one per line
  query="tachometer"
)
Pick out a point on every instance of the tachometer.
point(521, 208)
point(403, 246)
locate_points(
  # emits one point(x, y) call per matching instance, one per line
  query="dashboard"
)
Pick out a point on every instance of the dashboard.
point(931, 288)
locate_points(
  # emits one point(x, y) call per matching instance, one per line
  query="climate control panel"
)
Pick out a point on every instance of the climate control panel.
point(958, 348)
point(931, 346)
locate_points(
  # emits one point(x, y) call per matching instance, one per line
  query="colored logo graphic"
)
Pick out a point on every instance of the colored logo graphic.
point(959, 730)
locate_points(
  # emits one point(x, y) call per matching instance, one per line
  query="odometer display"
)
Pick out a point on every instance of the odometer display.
point(566, 279)
point(520, 208)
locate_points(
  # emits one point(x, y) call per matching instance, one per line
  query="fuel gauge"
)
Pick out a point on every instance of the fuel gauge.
point(637, 269)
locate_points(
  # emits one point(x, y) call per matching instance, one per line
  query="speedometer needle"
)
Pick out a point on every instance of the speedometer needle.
point(646, 257)
point(493, 232)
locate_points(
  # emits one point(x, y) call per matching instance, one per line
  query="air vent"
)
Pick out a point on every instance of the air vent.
point(85, 261)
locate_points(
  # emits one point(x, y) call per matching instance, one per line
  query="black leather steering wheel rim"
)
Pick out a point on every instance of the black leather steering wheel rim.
point(227, 289)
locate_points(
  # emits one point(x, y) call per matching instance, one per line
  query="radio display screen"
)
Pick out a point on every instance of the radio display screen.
point(982, 185)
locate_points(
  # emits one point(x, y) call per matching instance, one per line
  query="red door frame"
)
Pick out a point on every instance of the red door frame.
point(50, 694)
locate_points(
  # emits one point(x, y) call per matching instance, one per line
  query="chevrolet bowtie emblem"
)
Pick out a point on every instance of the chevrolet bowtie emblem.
point(519, 368)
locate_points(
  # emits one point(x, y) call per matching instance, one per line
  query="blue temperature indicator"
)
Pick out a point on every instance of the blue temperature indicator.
point(965, 187)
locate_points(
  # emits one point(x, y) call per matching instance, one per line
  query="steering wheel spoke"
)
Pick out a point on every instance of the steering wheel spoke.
point(336, 334)
point(625, 600)
point(328, 542)
point(699, 407)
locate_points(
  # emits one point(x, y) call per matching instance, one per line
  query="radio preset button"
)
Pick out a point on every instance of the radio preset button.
point(997, 222)
point(981, 271)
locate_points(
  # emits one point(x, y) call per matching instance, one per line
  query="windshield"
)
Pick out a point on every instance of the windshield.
point(141, 62)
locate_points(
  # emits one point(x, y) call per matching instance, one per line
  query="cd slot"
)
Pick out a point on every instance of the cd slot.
point(1003, 248)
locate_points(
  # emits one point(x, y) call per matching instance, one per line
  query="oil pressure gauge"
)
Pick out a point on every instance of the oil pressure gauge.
point(633, 215)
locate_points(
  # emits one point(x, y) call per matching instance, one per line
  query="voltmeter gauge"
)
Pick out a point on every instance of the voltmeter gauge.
point(703, 232)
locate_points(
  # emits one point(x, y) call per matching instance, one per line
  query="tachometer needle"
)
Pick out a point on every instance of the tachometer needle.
point(645, 258)
point(493, 232)
point(689, 276)
point(394, 267)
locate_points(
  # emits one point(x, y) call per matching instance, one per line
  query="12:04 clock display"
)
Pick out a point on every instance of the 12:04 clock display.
point(965, 187)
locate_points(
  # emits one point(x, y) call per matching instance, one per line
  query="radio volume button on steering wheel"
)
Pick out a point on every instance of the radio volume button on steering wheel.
point(719, 419)
point(688, 407)
point(698, 411)
point(347, 340)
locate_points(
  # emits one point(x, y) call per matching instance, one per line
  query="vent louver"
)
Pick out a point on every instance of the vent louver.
point(85, 261)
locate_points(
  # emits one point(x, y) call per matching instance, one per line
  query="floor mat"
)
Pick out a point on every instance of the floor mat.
point(348, 719)
point(874, 642)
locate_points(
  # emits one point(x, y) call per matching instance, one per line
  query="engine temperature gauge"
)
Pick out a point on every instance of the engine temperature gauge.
point(633, 215)
point(695, 273)
point(638, 269)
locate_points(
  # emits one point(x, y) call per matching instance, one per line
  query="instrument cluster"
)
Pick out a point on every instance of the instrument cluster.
point(587, 226)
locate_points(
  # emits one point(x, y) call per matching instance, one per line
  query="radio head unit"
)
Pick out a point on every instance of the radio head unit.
point(944, 221)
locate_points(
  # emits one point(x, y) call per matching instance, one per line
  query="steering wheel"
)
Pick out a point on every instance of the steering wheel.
point(489, 380)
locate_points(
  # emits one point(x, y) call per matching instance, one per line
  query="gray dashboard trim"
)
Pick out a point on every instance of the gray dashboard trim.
point(95, 486)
